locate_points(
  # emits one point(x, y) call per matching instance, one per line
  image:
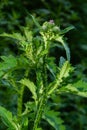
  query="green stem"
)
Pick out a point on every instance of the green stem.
point(41, 105)
point(20, 99)
point(20, 103)
point(39, 112)
point(40, 109)
point(44, 74)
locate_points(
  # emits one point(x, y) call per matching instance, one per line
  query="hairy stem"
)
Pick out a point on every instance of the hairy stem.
point(41, 105)
point(39, 112)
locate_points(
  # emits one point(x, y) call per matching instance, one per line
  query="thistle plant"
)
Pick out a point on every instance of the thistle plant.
point(34, 46)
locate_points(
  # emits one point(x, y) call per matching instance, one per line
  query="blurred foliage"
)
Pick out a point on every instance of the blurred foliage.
point(15, 14)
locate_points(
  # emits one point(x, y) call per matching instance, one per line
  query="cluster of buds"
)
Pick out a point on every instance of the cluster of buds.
point(49, 30)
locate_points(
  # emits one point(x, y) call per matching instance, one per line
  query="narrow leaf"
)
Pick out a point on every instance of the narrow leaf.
point(61, 62)
point(60, 39)
point(35, 21)
point(67, 29)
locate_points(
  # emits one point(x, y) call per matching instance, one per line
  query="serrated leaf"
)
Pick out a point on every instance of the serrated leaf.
point(79, 88)
point(54, 120)
point(7, 118)
point(64, 73)
point(16, 36)
point(31, 86)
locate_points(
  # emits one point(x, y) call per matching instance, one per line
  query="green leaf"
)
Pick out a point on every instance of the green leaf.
point(67, 51)
point(28, 34)
point(60, 39)
point(31, 86)
point(7, 119)
point(16, 36)
point(79, 88)
point(51, 70)
point(67, 29)
point(54, 119)
point(51, 66)
point(24, 123)
point(42, 53)
point(64, 73)
point(35, 21)
point(8, 62)
point(81, 85)
point(61, 62)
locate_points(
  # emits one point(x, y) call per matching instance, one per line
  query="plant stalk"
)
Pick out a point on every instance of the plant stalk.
point(20, 103)
point(20, 99)
point(42, 103)
point(39, 112)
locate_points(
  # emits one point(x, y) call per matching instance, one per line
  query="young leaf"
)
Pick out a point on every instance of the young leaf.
point(31, 86)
